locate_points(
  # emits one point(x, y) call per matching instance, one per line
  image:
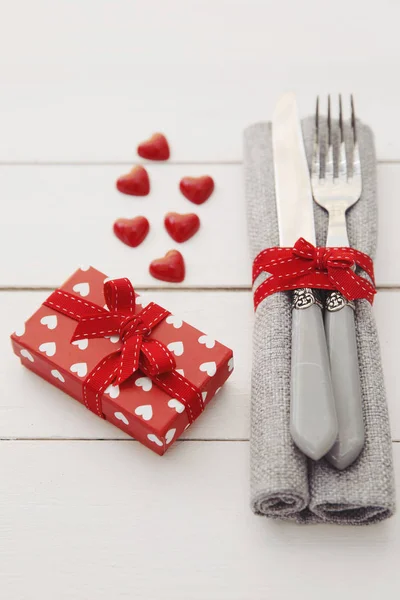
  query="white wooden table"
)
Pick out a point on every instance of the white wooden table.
point(85, 512)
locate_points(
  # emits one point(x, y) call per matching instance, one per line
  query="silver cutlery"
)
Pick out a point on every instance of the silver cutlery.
point(336, 190)
point(313, 422)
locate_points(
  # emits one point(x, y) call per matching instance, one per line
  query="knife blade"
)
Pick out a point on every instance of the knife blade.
point(313, 421)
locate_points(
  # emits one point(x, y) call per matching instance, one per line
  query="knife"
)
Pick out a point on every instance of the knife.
point(313, 421)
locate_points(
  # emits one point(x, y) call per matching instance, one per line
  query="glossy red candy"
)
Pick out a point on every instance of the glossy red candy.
point(132, 231)
point(169, 268)
point(181, 227)
point(197, 189)
point(155, 148)
point(134, 183)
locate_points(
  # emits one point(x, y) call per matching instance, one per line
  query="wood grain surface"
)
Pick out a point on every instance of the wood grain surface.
point(85, 512)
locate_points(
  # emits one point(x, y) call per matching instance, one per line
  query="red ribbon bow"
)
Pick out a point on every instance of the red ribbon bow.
point(138, 351)
point(305, 265)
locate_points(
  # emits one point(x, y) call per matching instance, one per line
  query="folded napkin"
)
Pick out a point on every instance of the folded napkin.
point(284, 483)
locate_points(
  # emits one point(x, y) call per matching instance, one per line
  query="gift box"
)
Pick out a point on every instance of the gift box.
point(128, 360)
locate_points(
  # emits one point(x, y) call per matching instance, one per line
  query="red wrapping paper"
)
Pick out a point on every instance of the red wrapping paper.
point(137, 407)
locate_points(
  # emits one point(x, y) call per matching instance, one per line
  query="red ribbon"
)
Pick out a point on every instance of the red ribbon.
point(139, 352)
point(305, 265)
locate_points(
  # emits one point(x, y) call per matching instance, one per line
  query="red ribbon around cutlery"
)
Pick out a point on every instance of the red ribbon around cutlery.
point(306, 265)
point(138, 352)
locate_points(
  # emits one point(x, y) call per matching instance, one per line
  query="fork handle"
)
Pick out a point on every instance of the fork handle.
point(313, 422)
point(342, 344)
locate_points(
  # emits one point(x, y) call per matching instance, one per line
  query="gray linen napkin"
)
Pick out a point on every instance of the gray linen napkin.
point(284, 483)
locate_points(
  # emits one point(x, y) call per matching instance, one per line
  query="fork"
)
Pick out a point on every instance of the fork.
point(336, 190)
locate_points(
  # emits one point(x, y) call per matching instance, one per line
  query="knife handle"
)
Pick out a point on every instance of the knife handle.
point(313, 421)
point(342, 345)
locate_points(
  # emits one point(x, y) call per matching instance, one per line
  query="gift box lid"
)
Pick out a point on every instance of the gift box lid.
point(137, 406)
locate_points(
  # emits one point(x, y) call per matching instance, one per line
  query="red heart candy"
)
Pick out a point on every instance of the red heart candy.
point(155, 148)
point(181, 227)
point(197, 189)
point(132, 231)
point(169, 268)
point(135, 183)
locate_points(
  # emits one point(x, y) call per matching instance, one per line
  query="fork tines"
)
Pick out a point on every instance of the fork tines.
point(334, 148)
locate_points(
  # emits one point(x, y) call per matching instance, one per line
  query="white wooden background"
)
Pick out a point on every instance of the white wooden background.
point(85, 512)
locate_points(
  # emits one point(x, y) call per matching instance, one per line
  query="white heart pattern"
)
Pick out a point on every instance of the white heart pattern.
point(169, 436)
point(209, 367)
point(48, 348)
point(121, 417)
point(82, 288)
point(112, 391)
point(181, 372)
point(176, 347)
point(230, 364)
point(153, 438)
point(204, 396)
point(79, 368)
point(84, 268)
point(113, 338)
point(175, 321)
point(82, 344)
point(50, 321)
point(178, 406)
point(145, 383)
point(26, 354)
point(20, 331)
point(207, 341)
point(145, 411)
point(57, 375)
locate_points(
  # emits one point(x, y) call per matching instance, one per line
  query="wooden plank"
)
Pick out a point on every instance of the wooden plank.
point(103, 121)
point(57, 218)
point(110, 520)
point(89, 89)
point(31, 408)
point(387, 273)
point(68, 214)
